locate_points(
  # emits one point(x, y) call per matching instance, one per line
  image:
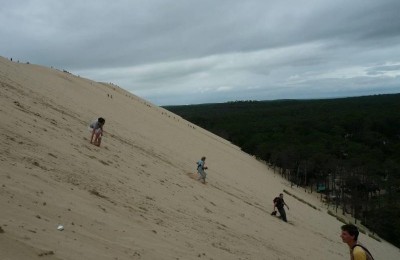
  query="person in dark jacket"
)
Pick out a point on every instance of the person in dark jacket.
point(279, 204)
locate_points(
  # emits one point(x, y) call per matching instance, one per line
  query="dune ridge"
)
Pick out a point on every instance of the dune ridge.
point(134, 198)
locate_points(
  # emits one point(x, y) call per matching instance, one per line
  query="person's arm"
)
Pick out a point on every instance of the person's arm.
point(286, 205)
point(203, 165)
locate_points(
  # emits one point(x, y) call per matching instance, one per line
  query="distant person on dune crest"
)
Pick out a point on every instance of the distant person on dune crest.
point(349, 236)
point(97, 131)
point(200, 169)
point(279, 204)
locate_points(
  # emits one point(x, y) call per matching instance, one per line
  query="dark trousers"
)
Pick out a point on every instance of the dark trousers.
point(282, 214)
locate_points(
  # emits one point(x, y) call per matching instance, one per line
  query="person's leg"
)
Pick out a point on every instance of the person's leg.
point(200, 173)
point(91, 137)
point(97, 140)
point(202, 176)
point(282, 214)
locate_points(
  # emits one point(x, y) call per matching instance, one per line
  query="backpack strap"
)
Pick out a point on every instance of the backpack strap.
point(365, 249)
point(198, 165)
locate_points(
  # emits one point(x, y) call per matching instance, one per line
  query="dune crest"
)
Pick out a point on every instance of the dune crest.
point(135, 197)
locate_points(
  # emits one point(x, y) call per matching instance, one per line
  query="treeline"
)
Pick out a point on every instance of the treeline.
point(347, 149)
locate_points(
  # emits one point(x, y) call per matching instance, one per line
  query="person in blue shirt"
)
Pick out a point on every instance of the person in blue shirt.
point(200, 170)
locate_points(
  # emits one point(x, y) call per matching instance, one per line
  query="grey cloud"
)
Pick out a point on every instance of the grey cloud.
point(163, 48)
point(139, 32)
point(378, 70)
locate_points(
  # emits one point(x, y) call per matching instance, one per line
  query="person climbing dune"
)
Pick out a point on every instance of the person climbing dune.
point(349, 236)
point(200, 170)
point(97, 131)
point(279, 204)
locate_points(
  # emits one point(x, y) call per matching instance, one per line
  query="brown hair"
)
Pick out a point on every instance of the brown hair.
point(352, 230)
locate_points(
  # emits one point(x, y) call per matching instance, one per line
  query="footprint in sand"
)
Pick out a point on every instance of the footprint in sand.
point(193, 176)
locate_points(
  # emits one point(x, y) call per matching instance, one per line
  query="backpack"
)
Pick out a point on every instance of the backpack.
point(198, 164)
point(369, 255)
point(279, 202)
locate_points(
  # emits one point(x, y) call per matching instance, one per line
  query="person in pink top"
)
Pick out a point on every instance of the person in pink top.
point(97, 131)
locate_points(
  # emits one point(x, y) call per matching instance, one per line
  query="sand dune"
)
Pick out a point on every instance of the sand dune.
point(135, 197)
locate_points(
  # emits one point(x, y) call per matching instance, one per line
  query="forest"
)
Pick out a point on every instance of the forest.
point(346, 149)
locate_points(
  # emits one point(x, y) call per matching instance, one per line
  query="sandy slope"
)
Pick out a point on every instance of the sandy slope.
point(133, 198)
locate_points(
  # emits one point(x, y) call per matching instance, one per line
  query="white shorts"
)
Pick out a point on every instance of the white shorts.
point(96, 131)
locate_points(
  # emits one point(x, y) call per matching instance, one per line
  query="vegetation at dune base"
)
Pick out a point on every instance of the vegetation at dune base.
point(347, 149)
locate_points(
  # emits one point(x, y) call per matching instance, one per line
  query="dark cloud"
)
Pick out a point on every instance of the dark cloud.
point(159, 47)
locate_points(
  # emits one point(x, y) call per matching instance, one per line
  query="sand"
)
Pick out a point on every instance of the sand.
point(136, 197)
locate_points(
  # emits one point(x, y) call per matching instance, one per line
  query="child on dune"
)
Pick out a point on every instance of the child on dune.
point(97, 131)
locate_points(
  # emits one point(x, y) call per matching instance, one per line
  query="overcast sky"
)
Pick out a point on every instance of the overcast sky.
point(206, 51)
